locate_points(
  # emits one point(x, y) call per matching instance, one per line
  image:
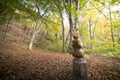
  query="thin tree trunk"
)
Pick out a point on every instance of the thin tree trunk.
point(7, 27)
point(63, 46)
point(76, 16)
point(90, 34)
point(94, 28)
point(27, 33)
point(32, 40)
point(63, 49)
point(34, 34)
point(67, 37)
point(71, 27)
point(119, 34)
point(112, 33)
point(70, 22)
point(37, 27)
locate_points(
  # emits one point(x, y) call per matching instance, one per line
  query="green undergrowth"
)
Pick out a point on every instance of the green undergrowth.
point(104, 49)
point(52, 46)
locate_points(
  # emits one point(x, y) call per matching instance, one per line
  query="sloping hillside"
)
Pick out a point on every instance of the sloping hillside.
point(15, 34)
point(17, 63)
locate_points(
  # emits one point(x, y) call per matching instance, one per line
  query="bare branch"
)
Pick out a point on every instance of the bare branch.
point(98, 10)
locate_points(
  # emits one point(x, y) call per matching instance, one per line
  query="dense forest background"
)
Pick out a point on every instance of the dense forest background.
point(36, 39)
point(48, 24)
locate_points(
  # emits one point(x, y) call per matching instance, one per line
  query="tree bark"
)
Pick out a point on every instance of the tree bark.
point(71, 26)
point(63, 29)
point(119, 34)
point(112, 33)
point(31, 41)
point(70, 22)
point(37, 27)
point(76, 15)
point(67, 37)
point(94, 28)
point(90, 34)
point(34, 34)
point(7, 27)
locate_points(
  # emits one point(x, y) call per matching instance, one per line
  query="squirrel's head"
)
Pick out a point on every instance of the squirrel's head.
point(75, 33)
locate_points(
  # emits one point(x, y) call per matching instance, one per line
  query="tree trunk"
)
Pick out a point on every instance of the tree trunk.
point(32, 40)
point(7, 27)
point(37, 27)
point(71, 27)
point(76, 15)
point(27, 33)
point(70, 22)
point(90, 34)
point(63, 46)
point(119, 34)
point(34, 34)
point(95, 27)
point(112, 33)
point(67, 37)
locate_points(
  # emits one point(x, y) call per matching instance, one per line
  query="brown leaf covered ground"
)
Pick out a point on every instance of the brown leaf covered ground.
point(17, 63)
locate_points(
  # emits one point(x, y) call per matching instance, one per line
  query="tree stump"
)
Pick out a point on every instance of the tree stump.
point(80, 68)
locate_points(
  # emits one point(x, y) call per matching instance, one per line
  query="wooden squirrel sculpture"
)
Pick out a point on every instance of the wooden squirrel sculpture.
point(77, 47)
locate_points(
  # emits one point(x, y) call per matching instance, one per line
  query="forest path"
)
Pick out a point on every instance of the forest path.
point(18, 63)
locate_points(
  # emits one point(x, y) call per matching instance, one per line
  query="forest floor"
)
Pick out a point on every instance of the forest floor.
point(18, 63)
